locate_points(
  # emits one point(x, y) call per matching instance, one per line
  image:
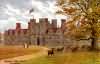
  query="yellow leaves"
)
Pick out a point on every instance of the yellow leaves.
point(69, 10)
point(90, 10)
point(77, 32)
point(60, 2)
point(98, 10)
point(73, 0)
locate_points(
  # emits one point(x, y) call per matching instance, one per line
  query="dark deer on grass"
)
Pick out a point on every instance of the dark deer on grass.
point(51, 52)
point(60, 49)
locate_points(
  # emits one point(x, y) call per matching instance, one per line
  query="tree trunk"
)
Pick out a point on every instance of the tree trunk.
point(93, 44)
point(93, 40)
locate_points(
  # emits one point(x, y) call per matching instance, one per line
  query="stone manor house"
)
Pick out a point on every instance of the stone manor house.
point(41, 33)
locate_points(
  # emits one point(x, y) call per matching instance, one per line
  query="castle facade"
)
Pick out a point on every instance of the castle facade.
point(42, 33)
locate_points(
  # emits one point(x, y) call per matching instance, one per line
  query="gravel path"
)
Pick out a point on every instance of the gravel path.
point(16, 60)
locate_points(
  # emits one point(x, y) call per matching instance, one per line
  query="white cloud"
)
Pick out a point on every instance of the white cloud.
point(3, 25)
point(14, 11)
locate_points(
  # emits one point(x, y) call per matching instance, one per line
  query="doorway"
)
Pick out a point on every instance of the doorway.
point(38, 41)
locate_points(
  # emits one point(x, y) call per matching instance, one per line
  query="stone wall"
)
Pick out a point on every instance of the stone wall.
point(43, 33)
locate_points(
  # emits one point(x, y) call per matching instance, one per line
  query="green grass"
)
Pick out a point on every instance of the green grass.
point(14, 51)
point(67, 58)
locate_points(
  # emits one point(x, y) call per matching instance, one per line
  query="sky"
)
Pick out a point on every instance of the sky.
point(13, 11)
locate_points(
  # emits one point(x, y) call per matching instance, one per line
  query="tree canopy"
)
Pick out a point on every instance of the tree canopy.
point(86, 13)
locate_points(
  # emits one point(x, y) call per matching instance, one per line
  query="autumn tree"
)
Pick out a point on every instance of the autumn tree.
point(88, 10)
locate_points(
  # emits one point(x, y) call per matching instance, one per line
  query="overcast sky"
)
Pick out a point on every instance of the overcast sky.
point(12, 11)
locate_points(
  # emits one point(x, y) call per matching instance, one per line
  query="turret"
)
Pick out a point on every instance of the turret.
point(63, 24)
point(32, 23)
point(54, 23)
point(18, 28)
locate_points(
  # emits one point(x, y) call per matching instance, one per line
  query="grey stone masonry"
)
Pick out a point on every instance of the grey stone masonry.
point(42, 33)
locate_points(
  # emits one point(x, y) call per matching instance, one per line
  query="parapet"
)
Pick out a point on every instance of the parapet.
point(32, 23)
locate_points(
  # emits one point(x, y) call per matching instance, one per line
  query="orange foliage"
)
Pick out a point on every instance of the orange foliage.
point(73, 0)
point(69, 10)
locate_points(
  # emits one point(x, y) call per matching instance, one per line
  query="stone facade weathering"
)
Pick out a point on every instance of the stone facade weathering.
point(41, 33)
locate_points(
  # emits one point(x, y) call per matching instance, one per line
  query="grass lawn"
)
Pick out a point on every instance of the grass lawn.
point(13, 51)
point(68, 58)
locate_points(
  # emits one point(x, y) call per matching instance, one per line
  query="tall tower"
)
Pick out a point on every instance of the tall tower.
point(43, 27)
point(54, 24)
point(63, 22)
point(43, 23)
point(18, 28)
point(32, 26)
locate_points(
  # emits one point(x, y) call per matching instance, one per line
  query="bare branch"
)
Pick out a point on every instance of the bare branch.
point(81, 8)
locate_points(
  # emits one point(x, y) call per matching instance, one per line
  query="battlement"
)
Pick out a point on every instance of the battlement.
point(43, 26)
point(41, 33)
point(43, 30)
